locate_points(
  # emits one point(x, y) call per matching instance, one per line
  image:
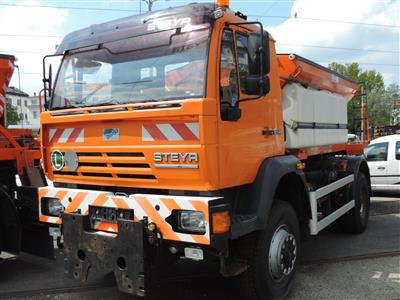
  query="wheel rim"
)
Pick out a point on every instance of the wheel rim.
point(282, 253)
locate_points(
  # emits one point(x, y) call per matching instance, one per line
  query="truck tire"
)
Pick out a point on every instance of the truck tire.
point(271, 255)
point(356, 220)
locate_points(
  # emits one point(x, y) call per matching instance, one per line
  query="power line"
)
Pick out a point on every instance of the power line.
point(31, 35)
point(69, 7)
point(360, 63)
point(325, 20)
point(24, 52)
point(286, 44)
point(340, 48)
point(251, 15)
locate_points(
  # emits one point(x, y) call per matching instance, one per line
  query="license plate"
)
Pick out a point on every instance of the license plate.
point(99, 214)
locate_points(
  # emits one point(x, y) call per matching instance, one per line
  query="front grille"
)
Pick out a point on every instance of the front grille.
point(127, 165)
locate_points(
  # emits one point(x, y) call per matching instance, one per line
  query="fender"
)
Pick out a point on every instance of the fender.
point(259, 200)
point(9, 224)
point(359, 164)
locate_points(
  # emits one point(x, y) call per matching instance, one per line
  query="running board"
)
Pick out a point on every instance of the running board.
point(315, 225)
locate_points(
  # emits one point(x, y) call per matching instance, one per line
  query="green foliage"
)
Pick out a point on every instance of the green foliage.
point(381, 101)
point(13, 117)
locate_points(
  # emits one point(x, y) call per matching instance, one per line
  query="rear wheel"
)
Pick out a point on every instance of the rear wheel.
point(272, 256)
point(355, 221)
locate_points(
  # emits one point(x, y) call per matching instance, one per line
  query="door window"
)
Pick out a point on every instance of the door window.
point(398, 150)
point(376, 152)
point(228, 73)
point(243, 59)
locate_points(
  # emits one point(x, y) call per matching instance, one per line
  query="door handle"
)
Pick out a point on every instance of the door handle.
point(381, 168)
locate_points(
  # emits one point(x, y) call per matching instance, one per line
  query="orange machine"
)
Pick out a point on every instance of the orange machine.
point(181, 133)
point(19, 156)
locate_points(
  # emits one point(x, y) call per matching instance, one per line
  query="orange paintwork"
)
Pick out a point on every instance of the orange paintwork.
point(230, 153)
point(6, 71)
point(293, 67)
point(11, 149)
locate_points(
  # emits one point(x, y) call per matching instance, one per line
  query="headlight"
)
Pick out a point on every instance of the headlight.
point(193, 221)
point(52, 207)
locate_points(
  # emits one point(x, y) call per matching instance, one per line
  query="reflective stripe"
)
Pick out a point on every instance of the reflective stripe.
point(155, 207)
point(171, 132)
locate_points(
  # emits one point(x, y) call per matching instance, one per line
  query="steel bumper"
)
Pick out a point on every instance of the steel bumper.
point(121, 253)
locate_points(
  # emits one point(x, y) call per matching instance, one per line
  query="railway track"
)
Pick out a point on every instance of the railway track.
point(34, 293)
point(108, 285)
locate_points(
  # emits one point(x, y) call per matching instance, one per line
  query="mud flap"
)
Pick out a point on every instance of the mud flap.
point(121, 253)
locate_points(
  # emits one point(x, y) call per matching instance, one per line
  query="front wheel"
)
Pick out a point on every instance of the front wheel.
point(272, 256)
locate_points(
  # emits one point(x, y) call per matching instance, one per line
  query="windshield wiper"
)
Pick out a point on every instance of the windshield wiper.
point(64, 107)
point(138, 81)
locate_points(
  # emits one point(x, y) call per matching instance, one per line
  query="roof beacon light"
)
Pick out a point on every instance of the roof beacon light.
point(223, 3)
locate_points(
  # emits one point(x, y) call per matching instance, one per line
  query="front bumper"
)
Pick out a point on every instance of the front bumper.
point(154, 208)
point(121, 253)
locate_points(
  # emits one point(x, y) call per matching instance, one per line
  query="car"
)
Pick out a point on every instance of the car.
point(383, 157)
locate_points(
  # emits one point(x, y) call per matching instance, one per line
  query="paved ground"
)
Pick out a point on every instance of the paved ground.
point(334, 266)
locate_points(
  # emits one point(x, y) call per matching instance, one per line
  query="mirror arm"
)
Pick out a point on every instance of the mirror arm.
point(47, 81)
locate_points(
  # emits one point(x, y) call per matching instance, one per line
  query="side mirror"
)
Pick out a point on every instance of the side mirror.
point(253, 84)
point(254, 46)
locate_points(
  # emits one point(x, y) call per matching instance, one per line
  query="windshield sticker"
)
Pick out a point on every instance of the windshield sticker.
point(164, 24)
point(111, 134)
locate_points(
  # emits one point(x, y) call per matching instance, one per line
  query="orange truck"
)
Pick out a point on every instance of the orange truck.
point(181, 134)
point(20, 229)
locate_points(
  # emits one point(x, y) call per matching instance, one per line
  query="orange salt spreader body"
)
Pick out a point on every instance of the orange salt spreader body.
point(295, 67)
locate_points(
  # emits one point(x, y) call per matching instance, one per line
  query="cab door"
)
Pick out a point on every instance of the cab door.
point(393, 174)
point(250, 125)
point(377, 158)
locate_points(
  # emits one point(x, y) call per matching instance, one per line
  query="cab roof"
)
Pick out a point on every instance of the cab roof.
point(137, 25)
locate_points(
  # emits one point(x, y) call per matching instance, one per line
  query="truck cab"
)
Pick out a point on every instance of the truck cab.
point(166, 131)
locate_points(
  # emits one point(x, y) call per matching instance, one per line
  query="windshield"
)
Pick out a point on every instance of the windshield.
point(155, 67)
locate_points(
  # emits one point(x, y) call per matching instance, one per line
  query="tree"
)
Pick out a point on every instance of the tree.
point(13, 117)
point(149, 4)
point(392, 94)
point(376, 96)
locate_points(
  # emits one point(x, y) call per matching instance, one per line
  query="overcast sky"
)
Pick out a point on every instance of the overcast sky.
point(363, 31)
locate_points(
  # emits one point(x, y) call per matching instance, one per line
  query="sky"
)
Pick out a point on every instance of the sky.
point(324, 31)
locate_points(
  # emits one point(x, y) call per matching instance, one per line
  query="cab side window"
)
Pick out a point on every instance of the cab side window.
point(228, 72)
point(376, 152)
point(243, 59)
point(397, 150)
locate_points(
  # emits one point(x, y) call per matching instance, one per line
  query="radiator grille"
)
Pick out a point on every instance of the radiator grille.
point(127, 165)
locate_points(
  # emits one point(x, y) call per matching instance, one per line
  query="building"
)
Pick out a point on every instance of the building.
point(27, 107)
point(34, 110)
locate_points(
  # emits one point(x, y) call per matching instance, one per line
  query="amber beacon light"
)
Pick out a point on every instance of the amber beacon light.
point(223, 3)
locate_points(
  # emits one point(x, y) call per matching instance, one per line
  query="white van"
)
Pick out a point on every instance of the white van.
point(383, 156)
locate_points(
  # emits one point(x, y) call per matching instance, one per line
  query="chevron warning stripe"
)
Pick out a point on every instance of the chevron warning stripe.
point(171, 132)
point(155, 207)
point(67, 135)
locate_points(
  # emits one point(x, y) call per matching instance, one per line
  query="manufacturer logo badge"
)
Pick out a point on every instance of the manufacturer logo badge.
point(57, 160)
point(71, 160)
point(111, 134)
